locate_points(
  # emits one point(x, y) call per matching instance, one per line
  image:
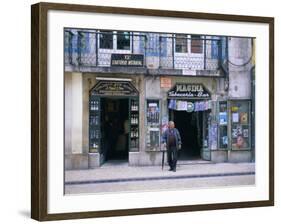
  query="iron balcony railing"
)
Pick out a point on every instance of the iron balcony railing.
point(160, 51)
point(197, 53)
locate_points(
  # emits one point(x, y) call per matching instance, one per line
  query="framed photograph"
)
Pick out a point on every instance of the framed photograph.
point(139, 111)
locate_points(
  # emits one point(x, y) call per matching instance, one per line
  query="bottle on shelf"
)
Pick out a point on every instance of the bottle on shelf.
point(95, 105)
point(92, 105)
point(133, 119)
point(134, 105)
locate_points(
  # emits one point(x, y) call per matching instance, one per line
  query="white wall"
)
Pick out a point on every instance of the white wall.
point(240, 52)
point(15, 112)
point(73, 113)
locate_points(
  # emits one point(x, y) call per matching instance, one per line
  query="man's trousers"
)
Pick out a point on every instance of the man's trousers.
point(172, 154)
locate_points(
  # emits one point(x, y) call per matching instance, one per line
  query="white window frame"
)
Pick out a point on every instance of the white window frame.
point(202, 37)
point(114, 49)
point(189, 53)
point(175, 44)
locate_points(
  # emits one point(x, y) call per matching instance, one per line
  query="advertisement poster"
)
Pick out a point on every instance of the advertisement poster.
point(182, 105)
point(213, 136)
point(243, 118)
point(246, 133)
point(165, 122)
point(223, 118)
point(235, 117)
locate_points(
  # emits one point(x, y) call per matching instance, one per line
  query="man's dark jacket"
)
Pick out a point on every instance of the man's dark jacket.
point(165, 137)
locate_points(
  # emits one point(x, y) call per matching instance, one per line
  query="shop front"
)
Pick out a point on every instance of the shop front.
point(126, 119)
point(187, 101)
point(113, 120)
point(190, 107)
point(213, 127)
point(122, 89)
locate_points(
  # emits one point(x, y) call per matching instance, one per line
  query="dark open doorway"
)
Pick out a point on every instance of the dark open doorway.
point(190, 128)
point(114, 117)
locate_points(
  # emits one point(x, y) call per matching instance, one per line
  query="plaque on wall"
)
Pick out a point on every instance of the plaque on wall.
point(128, 60)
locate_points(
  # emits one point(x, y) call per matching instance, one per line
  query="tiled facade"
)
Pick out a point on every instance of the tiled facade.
point(223, 66)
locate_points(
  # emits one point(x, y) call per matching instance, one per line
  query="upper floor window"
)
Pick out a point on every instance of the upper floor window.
point(196, 44)
point(181, 43)
point(123, 40)
point(106, 39)
point(113, 40)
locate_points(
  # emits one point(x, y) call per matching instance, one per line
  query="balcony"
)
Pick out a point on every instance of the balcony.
point(161, 53)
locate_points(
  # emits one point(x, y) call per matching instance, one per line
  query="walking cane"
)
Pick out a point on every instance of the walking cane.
point(163, 158)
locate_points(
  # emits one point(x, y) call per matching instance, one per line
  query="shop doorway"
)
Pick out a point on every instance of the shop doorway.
point(114, 130)
point(190, 126)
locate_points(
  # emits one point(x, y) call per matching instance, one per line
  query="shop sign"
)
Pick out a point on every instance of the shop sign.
point(187, 90)
point(127, 60)
point(115, 88)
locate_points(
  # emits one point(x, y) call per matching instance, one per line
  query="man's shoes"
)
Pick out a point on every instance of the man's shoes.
point(174, 169)
point(170, 169)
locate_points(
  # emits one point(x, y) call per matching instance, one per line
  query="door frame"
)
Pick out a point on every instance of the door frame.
point(205, 152)
point(101, 145)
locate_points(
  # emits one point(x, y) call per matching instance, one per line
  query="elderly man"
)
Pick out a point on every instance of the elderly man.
point(172, 140)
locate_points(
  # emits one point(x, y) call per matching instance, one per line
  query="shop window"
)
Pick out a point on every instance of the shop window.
point(196, 44)
point(153, 125)
point(134, 125)
point(106, 39)
point(240, 124)
point(181, 43)
point(123, 41)
point(223, 121)
point(94, 127)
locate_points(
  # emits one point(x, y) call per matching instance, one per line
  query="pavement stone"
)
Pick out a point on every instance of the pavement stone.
point(123, 171)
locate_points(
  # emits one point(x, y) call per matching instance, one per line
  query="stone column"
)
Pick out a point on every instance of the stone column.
point(74, 157)
point(77, 113)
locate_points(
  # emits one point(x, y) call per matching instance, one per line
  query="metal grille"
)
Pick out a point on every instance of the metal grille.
point(167, 51)
point(190, 53)
point(95, 48)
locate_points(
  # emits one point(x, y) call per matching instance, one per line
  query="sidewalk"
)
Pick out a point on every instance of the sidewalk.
point(122, 171)
point(119, 177)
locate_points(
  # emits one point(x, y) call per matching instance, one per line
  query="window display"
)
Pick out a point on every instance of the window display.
point(94, 126)
point(240, 124)
point(153, 125)
point(223, 139)
point(134, 125)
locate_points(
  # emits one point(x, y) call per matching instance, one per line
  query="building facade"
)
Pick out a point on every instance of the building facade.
point(122, 88)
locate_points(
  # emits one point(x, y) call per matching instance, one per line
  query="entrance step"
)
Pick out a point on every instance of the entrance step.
point(119, 163)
